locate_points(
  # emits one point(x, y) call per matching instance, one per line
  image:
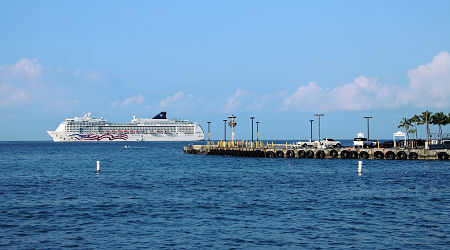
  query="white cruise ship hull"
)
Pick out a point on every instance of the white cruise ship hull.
point(63, 137)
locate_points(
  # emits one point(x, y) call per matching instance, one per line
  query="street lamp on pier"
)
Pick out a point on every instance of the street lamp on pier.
point(252, 117)
point(257, 131)
point(209, 132)
point(311, 121)
point(225, 130)
point(319, 115)
point(368, 131)
point(232, 124)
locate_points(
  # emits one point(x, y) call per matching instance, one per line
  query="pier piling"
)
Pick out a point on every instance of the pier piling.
point(246, 149)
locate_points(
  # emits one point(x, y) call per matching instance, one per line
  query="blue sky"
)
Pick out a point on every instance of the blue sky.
point(280, 61)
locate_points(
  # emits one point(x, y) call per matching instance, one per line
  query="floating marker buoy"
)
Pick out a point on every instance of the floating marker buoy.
point(360, 167)
point(98, 166)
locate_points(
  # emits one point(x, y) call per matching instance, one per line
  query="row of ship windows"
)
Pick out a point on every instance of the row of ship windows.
point(132, 131)
point(129, 128)
point(124, 132)
point(131, 125)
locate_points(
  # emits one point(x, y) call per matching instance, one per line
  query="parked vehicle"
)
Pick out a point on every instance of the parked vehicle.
point(387, 144)
point(325, 143)
point(361, 142)
point(306, 144)
point(444, 145)
point(330, 143)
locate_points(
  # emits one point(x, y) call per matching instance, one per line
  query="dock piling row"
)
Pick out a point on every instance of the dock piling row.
point(259, 149)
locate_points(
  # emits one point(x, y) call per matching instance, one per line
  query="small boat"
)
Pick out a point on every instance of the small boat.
point(126, 146)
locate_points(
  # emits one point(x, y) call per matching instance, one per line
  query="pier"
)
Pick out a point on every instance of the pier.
point(270, 150)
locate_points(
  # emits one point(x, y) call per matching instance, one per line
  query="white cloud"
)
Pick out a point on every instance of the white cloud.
point(361, 94)
point(14, 98)
point(171, 99)
point(24, 69)
point(233, 102)
point(430, 84)
point(132, 100)
point(93, 75)
point(429, 87)
point(62, 102)
point(305, 97)
point(17, 81)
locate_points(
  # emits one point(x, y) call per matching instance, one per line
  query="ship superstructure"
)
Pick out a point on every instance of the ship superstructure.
point(159, 128)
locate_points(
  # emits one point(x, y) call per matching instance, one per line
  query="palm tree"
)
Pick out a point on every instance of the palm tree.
point(404, 123)
point(415, 119)
point(439, 119)
point(411, 131)
point(424, 119)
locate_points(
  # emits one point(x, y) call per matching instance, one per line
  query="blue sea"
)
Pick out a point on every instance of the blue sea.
point(152, 195)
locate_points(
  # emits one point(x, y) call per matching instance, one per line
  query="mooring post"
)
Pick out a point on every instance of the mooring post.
point(360, 163)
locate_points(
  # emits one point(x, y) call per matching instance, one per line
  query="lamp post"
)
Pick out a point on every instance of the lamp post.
point(252, 117)
point(225, 130)
point(319, 115)
point(311, 121)
point(232, 124)
point(368, 131)
point(209, 132)
point(257, 131)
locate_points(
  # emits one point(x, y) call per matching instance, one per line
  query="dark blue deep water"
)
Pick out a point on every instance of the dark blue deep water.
point(154, 196)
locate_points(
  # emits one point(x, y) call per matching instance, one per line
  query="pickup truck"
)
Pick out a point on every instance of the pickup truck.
point(325, 143)
point(330, 143)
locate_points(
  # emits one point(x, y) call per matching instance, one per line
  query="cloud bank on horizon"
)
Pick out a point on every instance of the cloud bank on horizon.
point(429, 87)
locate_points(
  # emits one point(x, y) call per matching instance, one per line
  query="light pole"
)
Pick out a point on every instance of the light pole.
point(257, 131)
point(319, 115)
point(368, 131)
point(209, 132)
point(252, 117)
point(232, 124)
point(311, 121)
point(225, 130)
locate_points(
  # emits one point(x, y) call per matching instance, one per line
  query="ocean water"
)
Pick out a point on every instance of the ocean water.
point(152, 195)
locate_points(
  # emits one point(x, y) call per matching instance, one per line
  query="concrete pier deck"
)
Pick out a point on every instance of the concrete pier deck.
point(294, 151)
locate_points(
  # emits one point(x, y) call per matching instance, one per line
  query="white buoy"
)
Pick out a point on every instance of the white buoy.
point(359, 167)
point(98, 166)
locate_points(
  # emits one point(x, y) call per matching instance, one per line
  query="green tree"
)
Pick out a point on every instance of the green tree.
point(404, 123)
point(416, 120)
point(439, 119)
point(425, 118)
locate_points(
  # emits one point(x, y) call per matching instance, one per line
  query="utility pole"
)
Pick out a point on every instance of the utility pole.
point(257, 131)
point(368, 131)
point(209, 132)
point(225, 130)
point(319, 115)
point(252, 117)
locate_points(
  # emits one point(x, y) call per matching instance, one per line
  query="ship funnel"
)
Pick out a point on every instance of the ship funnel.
point(161, 115)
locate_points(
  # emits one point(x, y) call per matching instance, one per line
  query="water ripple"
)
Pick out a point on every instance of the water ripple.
point(157, 197)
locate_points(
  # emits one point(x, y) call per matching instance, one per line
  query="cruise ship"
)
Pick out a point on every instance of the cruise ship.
point(159, 128)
